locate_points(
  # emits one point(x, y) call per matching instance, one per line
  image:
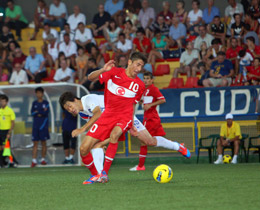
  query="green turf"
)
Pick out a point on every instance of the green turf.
point(193, 186)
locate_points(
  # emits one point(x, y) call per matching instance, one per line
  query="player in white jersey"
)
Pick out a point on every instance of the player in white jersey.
point(91, 106)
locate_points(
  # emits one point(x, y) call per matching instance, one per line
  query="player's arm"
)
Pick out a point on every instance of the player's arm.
point(95, 74)
point(96, 114)
point(10, 130)
point(148, 106)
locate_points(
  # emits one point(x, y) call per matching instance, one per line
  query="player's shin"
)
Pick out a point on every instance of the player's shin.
point(98, 156)
point(165, 143)
point(89, 163)
point(109, 156)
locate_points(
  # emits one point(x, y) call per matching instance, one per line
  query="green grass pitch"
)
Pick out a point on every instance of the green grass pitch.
point(201, 186)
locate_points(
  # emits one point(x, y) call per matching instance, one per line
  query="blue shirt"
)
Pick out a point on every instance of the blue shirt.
point(58, 11)
point(176, 33)
point(208, 18)
point(33, 64)
point(112, 8)
point(69, 122)
point(222, 68)
point(40, 112)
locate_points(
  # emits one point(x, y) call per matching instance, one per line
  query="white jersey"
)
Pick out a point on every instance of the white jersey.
point(91, 101)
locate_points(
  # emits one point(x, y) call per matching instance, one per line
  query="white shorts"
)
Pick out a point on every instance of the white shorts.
point(139, 126)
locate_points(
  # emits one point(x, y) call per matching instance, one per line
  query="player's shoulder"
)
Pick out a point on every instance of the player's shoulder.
point(140, 82)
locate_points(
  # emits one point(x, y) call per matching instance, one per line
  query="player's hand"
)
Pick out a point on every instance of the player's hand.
point(109, 65)
point(147, 106)
point(133, 131)
point(76, 132)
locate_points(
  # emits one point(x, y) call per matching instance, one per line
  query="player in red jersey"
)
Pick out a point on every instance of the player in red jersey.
point(123, 90)
point(232, 53)
point(253, 74)
point(151, 98)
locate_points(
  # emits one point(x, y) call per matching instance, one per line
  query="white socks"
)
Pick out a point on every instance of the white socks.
point(165, 143)
point(220, 157)
point(34, 160)
point(98, 157)
point(234, 157)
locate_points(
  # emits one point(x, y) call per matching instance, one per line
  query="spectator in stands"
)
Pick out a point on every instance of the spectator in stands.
point(67, 30)
point(15, 19)
point(166, 13)
point(213, 50)
point(181, 13)
point(230, 135)
point(40, 112)
point(253, 74)
point(69, 48)
point(111, 34)
point(18, 76)
point(232, 53)
point(95, 53)
point(82, 63)
point(133, 5)
point(35, 66)
point(177, 33)
point(69, 123)
point(48, 30)
point(202, 65)
point(129, 30)
point(19, 58)
point(237, 28)
point(100, 21)
point(64, 74)
point(131, 16)
point(122, 61)
point(221, 72)
point(159, 44)
point(141, 42)
point(12, 45)
point(252, 48)
point(84, 37)
point(203, 37)
point(249, 33)
point(194, 17)
point(115, 9)
point(76, 18)
point(61, 57)
point(2, 12)
point(146, 15)
point(3, 56)
point(245, 59)
point(187, 61)
point(210, 12)
point(92, 85)
point(57, 14)
point(218, 29)
point(230, 10)
point(52, 52)
point(254, 9)
point(123, 46)
point(6, 36)
point(40, 14)
point(254, 24)
point(158, 25)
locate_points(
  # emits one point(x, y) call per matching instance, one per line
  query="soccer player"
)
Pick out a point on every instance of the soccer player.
point(40, 112)
point(151, 98)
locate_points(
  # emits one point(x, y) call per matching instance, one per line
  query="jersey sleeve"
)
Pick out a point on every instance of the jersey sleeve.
point(91, 103)
point(157, 94)
point(104, 77)
point(222, 131)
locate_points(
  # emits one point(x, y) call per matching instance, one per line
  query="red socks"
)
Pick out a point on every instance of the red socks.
point(89, 163)
point(109, 156)
point(142, 155)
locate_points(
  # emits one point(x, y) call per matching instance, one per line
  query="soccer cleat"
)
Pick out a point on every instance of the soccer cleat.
point(92, 179)
point(71, 161)
point(43, 162)
point(33, 164)
point(218, 161)
point(184, 151)
point(103, 177)
point(137, 168)
point(66, 161)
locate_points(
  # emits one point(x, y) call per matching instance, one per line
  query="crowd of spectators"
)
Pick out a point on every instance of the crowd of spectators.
point(223, 49)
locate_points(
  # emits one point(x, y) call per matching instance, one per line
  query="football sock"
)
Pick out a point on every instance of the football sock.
point(98, 156)
point(220, 157)
point(109, 157)
point(70, 157)
point(89, 163)
point(142, 155)
point(165, 143)
point(34, 160)
point(234, 157)
point(43, 159)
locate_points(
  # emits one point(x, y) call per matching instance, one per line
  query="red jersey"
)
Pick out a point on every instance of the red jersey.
point(145, 42)
point(233, 53)
point(121, 92)
point(254, 71)
point(256, 50)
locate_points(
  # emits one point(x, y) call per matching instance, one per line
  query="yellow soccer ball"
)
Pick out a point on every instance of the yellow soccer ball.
point(162, 174)
point(227, 159)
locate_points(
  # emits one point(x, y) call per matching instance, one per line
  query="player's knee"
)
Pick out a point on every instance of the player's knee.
point(83, 150)
point(114, 137)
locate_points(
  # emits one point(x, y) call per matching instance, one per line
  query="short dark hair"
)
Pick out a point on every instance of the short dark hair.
point(217, 16)
point(242, 53)
point(80, 23)
point(66, 34)
point(46, 24)
point(65, 97)
point(10, 1)
point(215, 41)
point(122, 34)
point(140, 30)
point(138, 55)
point(4, 97)
point(182, 2)
point(66, 24)
point(221, 53)
point(197, 1)
point(234, 16)
point(250, 38)
point(149, 74)
point(257, 58)
point(92, 60)
point(39, 89)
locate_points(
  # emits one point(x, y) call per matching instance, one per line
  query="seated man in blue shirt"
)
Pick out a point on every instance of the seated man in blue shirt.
point(115, 9)
point(221, 72)
point(35, 66)
point(210, 12)
point(177, 33)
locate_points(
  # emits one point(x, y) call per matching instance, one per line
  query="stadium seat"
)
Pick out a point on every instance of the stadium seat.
point(50, 76)
point(236, 83)
point(176, 83)
point(162, 69)
point(192, 82)
point(106, 57)
point(253, 144)
point(207, 143)
point(102, 42)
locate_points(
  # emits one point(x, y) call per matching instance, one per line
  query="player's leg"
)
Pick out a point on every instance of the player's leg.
point(236, 150)
point(219, 150)
point(65, 139)
point(72, 148)
point(34, 153)
point(44, 151)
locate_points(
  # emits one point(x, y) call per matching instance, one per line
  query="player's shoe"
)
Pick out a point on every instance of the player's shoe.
point(184, 151)
point(66, 161)
point(218, 161)
point(103, 177)
point(71, 161)
point(234, 161)
point(43, 162)
point(33, 164)
point(137, 168)
point(92, 179)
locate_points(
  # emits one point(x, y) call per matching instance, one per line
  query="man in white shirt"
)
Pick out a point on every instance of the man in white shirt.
point(64, 74)
point(146, 15)
point(48, 30)
point(69, 48)
point(57, 14)
point(124, 46)
point(75, 18)
point(84, 37)
point(67, 30)
point(203, 37)
point(18, 76)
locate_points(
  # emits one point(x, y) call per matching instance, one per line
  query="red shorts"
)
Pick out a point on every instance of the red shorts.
point(104, 125)
point(154, 127)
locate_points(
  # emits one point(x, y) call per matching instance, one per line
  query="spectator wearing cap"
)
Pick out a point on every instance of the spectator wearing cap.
point(221, 72)
point(230, 135)
point(18, 76)
point(76, 18)
point(52, 52)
